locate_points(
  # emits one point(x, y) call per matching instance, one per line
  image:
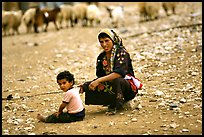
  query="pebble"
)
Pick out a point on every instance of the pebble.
point(158, 93)
point(173, 105)
point(185, 130)
point(174, 125)
point(111, 123)
point(134, 120)
point(183, 100)
point(28, 128)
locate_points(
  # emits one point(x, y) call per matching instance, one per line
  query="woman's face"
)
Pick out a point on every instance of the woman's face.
point(106, 43)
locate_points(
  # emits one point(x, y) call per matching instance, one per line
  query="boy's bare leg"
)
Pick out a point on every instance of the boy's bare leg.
point(41, 118)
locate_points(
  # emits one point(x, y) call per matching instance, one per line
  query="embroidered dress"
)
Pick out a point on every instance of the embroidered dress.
point(118, 90)
point(105, 93)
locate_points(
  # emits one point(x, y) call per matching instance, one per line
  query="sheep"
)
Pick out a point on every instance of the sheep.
point(17, 18)
point(149, 10)
point(93, 14)
point(79, 14)
point(29, 18)
point(142, 11)
point(6, 17)
point(93, 3)
point(169, 7)
point(11, 20)
point(66, 15)
point(116, 13)
point(153, 9)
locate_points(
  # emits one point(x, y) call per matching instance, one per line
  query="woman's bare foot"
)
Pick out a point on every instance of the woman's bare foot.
point(40, 117)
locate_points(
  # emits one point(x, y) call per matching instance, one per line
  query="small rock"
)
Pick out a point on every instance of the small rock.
point(158, 93)
point(9, 97)
point(183, 100)
point(49, 133)
point(174, 125)
point(95, 126)
point(185, 130)
point(173, 105)
point(111, 123)
point(134, 120)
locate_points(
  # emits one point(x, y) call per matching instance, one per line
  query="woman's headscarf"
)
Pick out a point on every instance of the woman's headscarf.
point(117, 43)
point(112, 34)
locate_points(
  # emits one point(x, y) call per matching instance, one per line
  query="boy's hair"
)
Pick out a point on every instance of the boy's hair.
point(66, 75)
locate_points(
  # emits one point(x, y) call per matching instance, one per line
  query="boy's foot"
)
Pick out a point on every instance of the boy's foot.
point(40, 117)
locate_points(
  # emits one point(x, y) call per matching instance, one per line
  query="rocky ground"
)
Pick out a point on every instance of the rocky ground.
point(167, 57)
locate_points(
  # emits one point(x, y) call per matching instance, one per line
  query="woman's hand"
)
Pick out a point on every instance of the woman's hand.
point(57, 114)
point(94, 84)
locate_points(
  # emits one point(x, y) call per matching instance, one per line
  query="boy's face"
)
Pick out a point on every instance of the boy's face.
point(64, 84)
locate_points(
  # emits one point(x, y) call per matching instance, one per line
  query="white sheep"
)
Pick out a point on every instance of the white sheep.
point(79, 13)
point(116, 13)
point(65, 15)
point(17, 20)
point(149, 10)
point(6, 17)
point(93, 15)
point(153, 9)
point(29, 18)
point(169, 7)
point(11, 21)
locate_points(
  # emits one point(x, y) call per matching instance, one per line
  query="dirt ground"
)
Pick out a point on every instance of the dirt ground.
point(166, 55)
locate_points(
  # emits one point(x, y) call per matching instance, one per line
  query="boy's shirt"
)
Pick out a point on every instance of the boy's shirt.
point(74, 101)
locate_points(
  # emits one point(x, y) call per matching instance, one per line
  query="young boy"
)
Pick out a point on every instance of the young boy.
point(71, 101)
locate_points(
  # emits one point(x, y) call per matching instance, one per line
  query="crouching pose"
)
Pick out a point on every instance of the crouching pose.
point(116, 82)
point(71, 101)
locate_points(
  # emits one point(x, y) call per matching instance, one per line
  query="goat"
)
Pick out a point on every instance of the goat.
point(45, 16)
point(51, 16)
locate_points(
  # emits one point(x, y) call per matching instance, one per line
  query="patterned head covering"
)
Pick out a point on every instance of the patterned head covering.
point(113, 36)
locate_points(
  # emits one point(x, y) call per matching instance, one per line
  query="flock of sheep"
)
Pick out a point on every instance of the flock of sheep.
point(80, 13)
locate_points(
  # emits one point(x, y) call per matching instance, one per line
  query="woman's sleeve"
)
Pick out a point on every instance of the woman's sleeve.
point(99, 67)
point(121, 62)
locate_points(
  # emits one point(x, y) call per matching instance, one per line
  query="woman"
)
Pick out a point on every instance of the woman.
point(112, 69)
